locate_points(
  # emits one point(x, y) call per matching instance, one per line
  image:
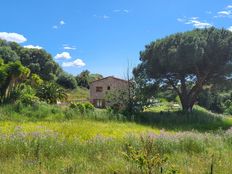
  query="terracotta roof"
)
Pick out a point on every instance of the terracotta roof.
point(109, 77)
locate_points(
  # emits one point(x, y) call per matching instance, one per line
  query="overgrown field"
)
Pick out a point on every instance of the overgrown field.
point(49, 140)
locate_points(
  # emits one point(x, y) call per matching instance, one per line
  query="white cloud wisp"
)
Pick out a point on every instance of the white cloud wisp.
point(76, 63)
point(12, 37)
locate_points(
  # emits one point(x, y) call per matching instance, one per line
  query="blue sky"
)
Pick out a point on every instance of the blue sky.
point(104, 35)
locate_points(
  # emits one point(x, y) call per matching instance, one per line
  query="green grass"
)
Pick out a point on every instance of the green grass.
point(50, 139)
point(81, 129)
point(78, 94)
point(163, 116)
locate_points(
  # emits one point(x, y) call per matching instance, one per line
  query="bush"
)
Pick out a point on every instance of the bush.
point(23, 94)
point(69, 114)
point(82, 107)
point(51, 93)
point(28, 99)
point(89, 106)
point(67, 81)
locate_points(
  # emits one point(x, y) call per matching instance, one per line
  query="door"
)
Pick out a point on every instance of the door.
point(99, 103)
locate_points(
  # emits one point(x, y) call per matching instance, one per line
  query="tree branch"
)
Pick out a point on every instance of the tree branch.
point(174, 86)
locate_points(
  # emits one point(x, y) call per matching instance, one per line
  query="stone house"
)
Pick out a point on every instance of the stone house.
point(99, 88)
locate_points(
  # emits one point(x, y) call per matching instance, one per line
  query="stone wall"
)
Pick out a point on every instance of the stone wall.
point(106, 83)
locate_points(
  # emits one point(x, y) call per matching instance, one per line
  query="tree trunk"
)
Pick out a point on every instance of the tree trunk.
point(187, 104)
point(188, 97)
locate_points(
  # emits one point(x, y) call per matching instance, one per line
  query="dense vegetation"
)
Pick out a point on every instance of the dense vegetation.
point(48, 125)
point(187, 62)
point(31, 75)
point(52, 139)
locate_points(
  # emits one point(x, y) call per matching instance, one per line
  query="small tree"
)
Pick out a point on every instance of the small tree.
point(132, 98)
point(11, 74)
point(51, 93)
point(67, 81)
point(188, 61)
point(85, 78)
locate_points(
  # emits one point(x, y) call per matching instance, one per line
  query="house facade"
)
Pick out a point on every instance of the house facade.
point(99, 88)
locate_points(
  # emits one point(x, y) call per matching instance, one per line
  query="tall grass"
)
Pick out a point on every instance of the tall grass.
point(46, 112)
point(51, 139)
point(200, 119)
point(51, 152)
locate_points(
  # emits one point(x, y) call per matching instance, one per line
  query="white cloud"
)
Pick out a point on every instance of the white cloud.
point(69, 48)
point(180, 20)
point(121, 11)
point(195, 22)
point(63, 55)
point(106, 17)
point(116, 11)
point(126, 11)
point(12, 37)
point(33, 47)
point(224, 13)
point(62, 22)
point(76, 63)
point(230, 28)
point(101, 17)
point(59, 25)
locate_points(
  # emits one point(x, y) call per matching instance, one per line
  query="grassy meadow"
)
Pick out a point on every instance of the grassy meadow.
point(51, 139)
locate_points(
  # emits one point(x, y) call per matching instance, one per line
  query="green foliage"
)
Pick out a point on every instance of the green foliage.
point(85, 78)
point(11, 75)
point(89, 106)
point(51, 93)
point(212, 100)
point(67, 81)
point(131, 99)
point(35, 80)
point(171, 118)
point(8, 55)
point(167, 95)
point(118, 99)
point(78, 94)
point(33, 111)
point(188, 61)
point(79, 106)
point(40, 63)
point(24, 94)
point(218, 101)
point(55, 144)
point(82, 107)
point(147, 158)
point(52, 139)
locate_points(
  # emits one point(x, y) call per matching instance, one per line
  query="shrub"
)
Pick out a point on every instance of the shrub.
point(28, 99)
point(82, 107)
point(37, 111)
point(146, 157)
point(24, 94)
point(89, 106)
point(67, 81)
point(69, 114)
point(78, 106)
point(51, 93)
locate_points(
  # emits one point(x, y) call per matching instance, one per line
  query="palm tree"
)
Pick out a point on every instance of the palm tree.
point(51, 93)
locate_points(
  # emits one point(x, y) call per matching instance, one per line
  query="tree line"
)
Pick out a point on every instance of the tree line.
point(193, 67)
point(35, 69)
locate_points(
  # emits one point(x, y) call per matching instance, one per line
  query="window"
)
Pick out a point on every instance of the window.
point(108, 87)
point(99, 89)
